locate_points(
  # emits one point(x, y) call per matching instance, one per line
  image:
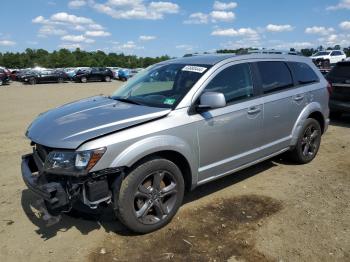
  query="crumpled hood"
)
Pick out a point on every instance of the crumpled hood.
point(70, 125)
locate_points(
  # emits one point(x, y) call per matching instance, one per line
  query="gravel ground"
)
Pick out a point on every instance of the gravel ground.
point(274, 211)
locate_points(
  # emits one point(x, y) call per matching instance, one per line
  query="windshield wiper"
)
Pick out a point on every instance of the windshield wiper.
point(126, 100)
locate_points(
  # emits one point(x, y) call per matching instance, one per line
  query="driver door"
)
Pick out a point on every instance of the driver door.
point(229, 137)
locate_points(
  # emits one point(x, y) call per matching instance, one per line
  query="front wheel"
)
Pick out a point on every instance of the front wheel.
point(32, 81)
point(83, 79)
point(107, 79)
point(1, 82)
point(308, 142)
point(150, 195)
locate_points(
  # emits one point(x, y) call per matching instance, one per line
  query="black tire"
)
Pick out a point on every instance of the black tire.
point(60, 80)
point(83, 79)
point(124, 79)
point(32, 81)
point(143, 205)
point(308, 142)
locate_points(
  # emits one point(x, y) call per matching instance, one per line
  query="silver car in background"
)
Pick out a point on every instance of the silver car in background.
point(175, 125)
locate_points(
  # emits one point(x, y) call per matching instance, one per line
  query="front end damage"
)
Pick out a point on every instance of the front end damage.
point(59, 192)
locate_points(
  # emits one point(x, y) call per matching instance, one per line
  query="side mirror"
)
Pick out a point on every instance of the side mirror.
point(211, 100)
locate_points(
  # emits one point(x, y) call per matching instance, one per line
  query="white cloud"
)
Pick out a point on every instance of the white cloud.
point(185, 47)
point(287, 45)
point(164, 7)
point(336, 39)
point(343, 4)
point(76, 3)
point(73, 38)
point(245, 32)
point(222, 16)
point(147, 37)
point(319, 30)
point(70, 46)
point(224, 6)
point(345, 25)
point(128, 46)
point(47, 30)
point(96, 27)
point(72, 19)
point(279, 28)
point(197, 18)
point(137, 9)
point(60, 23)
point(7, 43)
point(100, 33)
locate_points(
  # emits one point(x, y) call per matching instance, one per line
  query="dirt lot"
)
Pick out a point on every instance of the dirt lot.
point(275, 211)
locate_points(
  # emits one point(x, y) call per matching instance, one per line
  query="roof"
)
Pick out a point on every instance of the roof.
point(213, 59)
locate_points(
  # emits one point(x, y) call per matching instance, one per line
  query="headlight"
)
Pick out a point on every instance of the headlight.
point(73, 163)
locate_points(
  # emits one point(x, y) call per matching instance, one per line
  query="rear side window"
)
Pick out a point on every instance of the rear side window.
point(275, 76)
point(234, 82)
point(303, 73)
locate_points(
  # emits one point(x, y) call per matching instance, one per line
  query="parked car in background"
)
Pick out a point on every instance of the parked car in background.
point(93, 74)
point(330, 56)
point(339, 77)
point(179, 124)
point(4, 76)
point(124, 74)
point(44, 76)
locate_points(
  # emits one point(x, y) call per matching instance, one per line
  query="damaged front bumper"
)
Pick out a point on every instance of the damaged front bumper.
point(58, 193)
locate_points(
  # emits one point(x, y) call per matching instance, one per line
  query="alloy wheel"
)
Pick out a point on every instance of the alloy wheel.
point(155, 197)
point(310, 141)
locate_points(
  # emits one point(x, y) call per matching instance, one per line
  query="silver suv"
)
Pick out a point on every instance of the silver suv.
point(175, 125)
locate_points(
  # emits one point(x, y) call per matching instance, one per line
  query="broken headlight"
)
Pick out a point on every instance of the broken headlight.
point(71, 162)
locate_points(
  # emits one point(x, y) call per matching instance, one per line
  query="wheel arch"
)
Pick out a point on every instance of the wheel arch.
point(312, 110)
point(168, 147)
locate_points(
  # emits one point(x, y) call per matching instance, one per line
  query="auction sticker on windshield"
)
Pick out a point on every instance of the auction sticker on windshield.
point(196, 69)
point(169, 101)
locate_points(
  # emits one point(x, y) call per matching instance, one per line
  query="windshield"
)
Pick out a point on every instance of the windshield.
point(321, 53)
point(161, 85)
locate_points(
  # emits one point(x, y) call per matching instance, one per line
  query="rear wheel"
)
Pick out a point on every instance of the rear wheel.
point(60, 80)
point(308, 142)
point(107, 79)
point(150, 195)
point(1, 82)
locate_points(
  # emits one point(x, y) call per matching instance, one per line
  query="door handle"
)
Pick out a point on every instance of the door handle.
point(253, 110)
point(298, 97)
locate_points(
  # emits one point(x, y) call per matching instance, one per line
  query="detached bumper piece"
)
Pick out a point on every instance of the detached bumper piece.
point(52, 192)
point(58, 193)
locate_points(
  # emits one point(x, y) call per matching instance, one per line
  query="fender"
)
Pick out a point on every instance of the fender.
point(155, 144)
point(308, 110)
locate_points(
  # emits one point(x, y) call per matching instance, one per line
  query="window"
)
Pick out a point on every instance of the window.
point(336, 53)
point(275, 76)
point(303, 73)
point(234, 82)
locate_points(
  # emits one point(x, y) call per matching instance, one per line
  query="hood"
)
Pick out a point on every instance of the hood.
point(70, 125)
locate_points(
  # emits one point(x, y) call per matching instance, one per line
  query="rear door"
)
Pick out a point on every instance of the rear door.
point(283, 104)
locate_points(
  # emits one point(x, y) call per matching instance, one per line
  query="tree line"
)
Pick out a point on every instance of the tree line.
point(66, 58)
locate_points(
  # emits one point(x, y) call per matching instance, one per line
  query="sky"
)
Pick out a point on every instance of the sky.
point(173, 27)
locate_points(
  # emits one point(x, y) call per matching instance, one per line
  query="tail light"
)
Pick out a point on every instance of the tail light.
point(330, 88)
